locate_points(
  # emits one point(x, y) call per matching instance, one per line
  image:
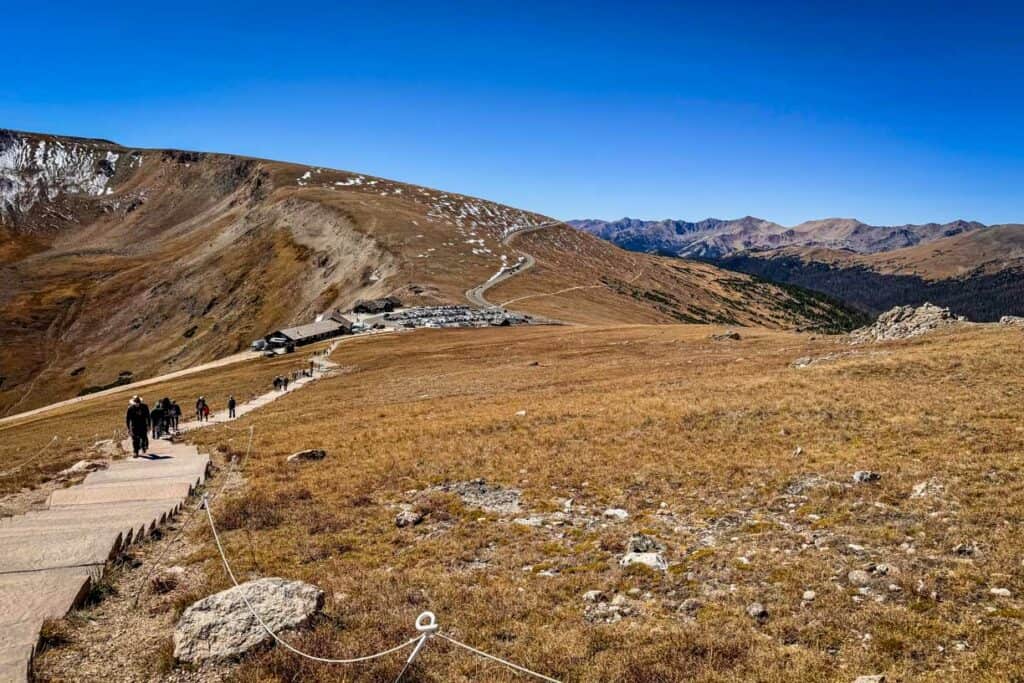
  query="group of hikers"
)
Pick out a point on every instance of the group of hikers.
point(163, 419)
point(281, 382)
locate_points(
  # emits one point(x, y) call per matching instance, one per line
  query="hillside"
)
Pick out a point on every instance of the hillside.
point(120, 263)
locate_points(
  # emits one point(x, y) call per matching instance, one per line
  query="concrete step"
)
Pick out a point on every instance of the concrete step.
point(37, 596)
point(120, 492)
point(25, 552)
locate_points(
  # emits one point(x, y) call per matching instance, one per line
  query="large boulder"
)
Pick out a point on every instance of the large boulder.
point(221, 626)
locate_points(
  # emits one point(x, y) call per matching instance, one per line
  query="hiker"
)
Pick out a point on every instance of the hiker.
point(277, 383)
point(137, 420)
point(200, 404)
point(231, 407)
point(156, 419)
point(206, 412)
point(175, 415)
point(284, 381)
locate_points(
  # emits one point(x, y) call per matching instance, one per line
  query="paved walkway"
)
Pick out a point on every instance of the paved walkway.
point(50, 558)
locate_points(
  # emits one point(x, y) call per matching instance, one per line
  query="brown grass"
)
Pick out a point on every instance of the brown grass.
point(634, 417)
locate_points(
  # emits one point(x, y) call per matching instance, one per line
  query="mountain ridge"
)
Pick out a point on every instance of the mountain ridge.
point(715, 238)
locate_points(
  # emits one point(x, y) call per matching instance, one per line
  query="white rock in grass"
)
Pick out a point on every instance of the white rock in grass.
point(1000, 592)
point(654, 560)
point(221, 626)
point(615, 513)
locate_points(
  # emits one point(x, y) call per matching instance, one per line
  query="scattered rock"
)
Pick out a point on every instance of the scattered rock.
point(883, 569)
point(904, 322)
point(615, 513)
point(221, 626)
point(478, 493)
point(803, 362)
point(809, 596)
point(654, 560)
point(756, 610)
point(1012, 320)
point(866, 476)
point(1000, 592)
point(869, 679)
point(520, 413)
point(593, 596)
point(83, 467)
point(927, 489)
point(858, 577)
point(408, 516)
point(307, 455)
point(965, 549)
point(642, 543)
point(798, 451)
point(533, 521)
point(689, 606)
point(728, 335)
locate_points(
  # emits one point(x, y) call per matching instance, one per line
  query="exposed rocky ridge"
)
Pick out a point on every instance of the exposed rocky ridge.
point(905, 322)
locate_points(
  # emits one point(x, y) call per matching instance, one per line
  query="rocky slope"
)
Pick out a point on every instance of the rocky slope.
point(120, 263)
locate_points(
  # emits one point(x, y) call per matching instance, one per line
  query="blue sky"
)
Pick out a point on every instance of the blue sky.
point(889, 112)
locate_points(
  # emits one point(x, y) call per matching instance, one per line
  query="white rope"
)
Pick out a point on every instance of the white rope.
point(426, 624)
point(32, 458)
point(521, 669)
point(272, 634)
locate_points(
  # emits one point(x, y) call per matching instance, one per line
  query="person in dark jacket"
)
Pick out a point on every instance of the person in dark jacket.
point(156, 419)
point(200, 408)
point(137, 420)
point(231, 407)
point(175, 415)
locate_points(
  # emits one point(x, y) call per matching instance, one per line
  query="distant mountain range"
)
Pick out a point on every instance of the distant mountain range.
point(714, 238)
point(976, 270)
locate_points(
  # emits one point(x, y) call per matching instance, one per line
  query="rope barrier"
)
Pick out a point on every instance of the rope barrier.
point(30, 459)
point(159, 559)
point(426, 624)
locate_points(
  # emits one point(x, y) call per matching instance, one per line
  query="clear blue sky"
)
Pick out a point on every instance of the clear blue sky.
point(885, 111)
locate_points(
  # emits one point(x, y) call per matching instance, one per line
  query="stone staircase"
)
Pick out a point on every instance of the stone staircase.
point(49, 559)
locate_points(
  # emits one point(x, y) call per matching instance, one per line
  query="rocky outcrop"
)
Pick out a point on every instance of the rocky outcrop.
point(221, 626)
point(905, 322)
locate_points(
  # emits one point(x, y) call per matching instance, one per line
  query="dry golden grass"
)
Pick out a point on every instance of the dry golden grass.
point(634, 417)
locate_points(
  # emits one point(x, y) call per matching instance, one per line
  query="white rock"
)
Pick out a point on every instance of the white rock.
point(809, 596)
point(520, 413)
point(593, 596)
point(615, 513)
point(869, 679)
point(1000, 592)
point(221, 626)
point(858, 577)
point(654, 560)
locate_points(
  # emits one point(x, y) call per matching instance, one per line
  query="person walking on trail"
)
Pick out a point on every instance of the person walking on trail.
point(175, 415)
point(200, 408)
point(231, 407)
point(206, 412)
point(137, 420)
point(156, 420)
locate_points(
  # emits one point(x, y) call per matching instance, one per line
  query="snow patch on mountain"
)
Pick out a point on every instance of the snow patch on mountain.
point(33, 170)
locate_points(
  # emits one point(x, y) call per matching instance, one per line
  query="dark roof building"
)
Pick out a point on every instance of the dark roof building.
point(313, 332)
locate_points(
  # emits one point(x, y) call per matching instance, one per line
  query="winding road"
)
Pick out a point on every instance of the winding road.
point(475, 295)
